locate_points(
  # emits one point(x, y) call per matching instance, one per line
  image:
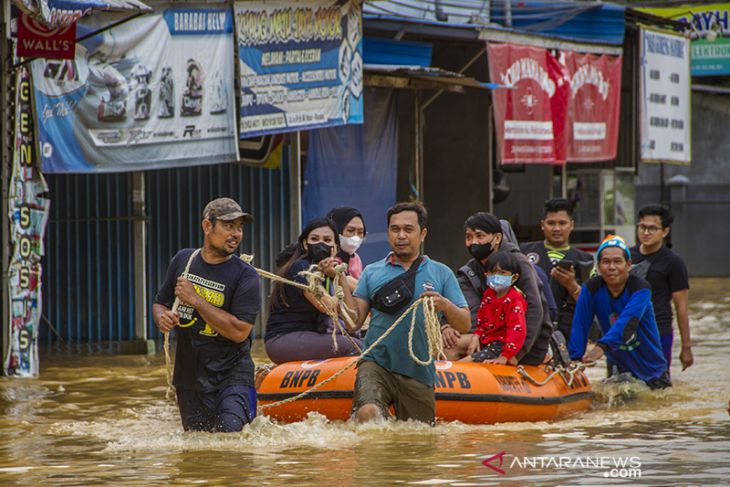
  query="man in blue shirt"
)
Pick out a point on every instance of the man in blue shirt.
point(388, 375)
point(622, 304)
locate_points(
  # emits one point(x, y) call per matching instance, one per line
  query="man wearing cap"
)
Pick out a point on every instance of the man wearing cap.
point(219, 299)
point(482, 237)
point(622, 304)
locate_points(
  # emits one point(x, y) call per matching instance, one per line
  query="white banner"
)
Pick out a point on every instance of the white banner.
point(665, 98)
point(152, 93)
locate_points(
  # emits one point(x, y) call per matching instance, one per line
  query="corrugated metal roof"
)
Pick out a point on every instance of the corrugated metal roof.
point(593, 22)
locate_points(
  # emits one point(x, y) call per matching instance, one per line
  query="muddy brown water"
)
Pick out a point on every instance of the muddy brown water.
point(98, 418)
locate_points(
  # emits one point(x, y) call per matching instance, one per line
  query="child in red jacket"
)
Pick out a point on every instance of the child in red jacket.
point(501, 327)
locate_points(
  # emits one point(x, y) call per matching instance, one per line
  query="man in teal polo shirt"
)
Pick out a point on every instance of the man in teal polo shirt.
point(388, 375)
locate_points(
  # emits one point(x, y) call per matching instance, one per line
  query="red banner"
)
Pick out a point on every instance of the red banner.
point(593, 106)
point(531, 111)
point(37, 40)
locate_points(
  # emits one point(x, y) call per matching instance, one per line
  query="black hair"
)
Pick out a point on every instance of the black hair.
point(415, 206)
point(292, 253)
point(504, 260)
point(555, 205)
point(664, 215)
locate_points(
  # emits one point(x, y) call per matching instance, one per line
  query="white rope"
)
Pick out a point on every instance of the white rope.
point(175, 305)
point(426, 302)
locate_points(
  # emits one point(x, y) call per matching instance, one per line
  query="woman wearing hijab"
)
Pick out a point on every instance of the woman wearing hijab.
point(298, 323)
point(351, 230)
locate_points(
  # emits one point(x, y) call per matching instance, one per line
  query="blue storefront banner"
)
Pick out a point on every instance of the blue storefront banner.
point(357, 165)
point(300, 65)
point(152, 93)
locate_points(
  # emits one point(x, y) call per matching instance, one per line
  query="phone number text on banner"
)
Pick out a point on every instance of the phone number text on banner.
point(152, 93)
point(301, 65)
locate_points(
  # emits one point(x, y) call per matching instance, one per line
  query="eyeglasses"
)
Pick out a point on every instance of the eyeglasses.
point(647, 228)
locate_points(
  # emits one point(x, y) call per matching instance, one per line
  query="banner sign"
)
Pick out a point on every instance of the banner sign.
point(300, 65)
point(152, 93)
point(531, 112)
point(665, 97)
point(28, 213)
point(35, 39)
point(593, 106)
point(709, 26)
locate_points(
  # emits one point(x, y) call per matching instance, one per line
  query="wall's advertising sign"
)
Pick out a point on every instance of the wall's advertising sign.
point(709, 27)
point(531, 111)
point(665, 98)
point(301, 65)
point(37, 40)
point(154, 92)
point(593, 106)
point(28, 213)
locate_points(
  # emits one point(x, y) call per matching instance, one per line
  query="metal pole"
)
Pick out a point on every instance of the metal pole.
point(295, 186)
point(563, 181)
point(5, 163)
point(140, 268)
point(490, 159)
point(418, 159)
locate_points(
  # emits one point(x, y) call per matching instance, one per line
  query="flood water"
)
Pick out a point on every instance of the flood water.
point(95, 419)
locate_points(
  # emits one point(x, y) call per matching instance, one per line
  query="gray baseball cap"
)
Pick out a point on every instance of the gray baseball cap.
point(225, 209)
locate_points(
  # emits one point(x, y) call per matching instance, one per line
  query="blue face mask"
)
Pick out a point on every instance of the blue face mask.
point(499, 282)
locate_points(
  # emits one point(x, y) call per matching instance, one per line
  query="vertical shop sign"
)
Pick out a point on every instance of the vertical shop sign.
point(531, 111)
point(665, 97)
point(28, 212)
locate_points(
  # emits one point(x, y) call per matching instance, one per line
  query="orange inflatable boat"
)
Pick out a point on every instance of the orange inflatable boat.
point(468, 392)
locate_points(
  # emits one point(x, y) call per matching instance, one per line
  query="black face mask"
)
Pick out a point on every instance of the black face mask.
point(319, 251)
point(480, 251)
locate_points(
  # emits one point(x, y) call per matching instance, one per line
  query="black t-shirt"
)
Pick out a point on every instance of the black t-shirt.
point(667, 274)
point(545, 258)
point(299, 314)
point(205, 360)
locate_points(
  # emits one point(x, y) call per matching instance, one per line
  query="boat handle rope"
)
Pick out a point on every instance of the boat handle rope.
point(570, 372)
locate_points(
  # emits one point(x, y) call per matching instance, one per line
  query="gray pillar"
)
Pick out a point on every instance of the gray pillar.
point(295, 186)
point(140, 344)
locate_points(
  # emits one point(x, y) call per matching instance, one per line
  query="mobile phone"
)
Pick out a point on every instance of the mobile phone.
point(565, 264)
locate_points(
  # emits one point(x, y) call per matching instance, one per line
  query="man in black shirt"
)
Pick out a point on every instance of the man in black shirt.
point(219, 299)
point(667, 274)
point(566, 277)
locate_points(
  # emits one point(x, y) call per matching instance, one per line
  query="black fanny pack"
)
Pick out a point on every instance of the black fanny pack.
point(395, 294)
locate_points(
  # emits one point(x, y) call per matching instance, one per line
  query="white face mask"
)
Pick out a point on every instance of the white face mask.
point(350, 244)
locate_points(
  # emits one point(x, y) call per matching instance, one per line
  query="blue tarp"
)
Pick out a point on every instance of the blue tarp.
point(356, 165)
point(594, 22)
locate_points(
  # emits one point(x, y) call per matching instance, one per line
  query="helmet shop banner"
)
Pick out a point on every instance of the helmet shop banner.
point(300, 63)
point(531, 110)
point(593, 106)
point(152, 93)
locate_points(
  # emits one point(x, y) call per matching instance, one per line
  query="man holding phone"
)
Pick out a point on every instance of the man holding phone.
point(567, 266)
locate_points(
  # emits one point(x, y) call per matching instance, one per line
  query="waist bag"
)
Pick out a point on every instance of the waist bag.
point(395, 294)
